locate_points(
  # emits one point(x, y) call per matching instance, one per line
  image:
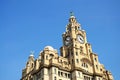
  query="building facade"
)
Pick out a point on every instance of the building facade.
point(76, 61)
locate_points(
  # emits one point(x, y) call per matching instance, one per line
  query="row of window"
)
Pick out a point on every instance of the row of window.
point(69, 51)
point(66, 75)
point(88, 78)
point(62, 74)
point(81, 51)
point(85, 65)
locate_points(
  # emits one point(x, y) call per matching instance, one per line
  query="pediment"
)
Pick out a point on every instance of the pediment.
point(87, 61)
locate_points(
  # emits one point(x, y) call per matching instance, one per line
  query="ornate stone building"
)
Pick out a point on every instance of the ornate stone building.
point(76, 61)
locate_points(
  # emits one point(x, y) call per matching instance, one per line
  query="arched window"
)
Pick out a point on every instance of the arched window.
point(85, 65)
point(51, 55)
point(95, 59)
point(100, 69)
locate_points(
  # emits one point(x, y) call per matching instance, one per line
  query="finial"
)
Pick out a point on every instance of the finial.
point(71, 13)
point(32, 53)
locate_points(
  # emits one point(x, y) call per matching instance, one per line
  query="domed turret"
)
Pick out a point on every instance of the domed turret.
point(31, 55)
point(49, 48)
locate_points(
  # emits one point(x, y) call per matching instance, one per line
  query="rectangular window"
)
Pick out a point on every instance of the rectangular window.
point(76, 53)
point(89, 78)
point(61, 73)
point(77, 60)
point(55, 70)
point(58, 73)
point(81, 49)
point(71, 53)
point(54, 78)
point(47, 57)
point(68, 75)
point(98, 78)
point(72, 61)
point(78, 74)
point(97, 66)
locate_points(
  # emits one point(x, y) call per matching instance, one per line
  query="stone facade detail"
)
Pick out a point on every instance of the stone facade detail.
point(77, 61)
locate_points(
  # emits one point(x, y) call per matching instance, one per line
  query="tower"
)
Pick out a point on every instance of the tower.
point(79, 53)
point(76, 48)
point(75, 43)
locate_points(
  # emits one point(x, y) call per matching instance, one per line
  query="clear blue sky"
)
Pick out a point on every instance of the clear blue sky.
point(27, 25)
